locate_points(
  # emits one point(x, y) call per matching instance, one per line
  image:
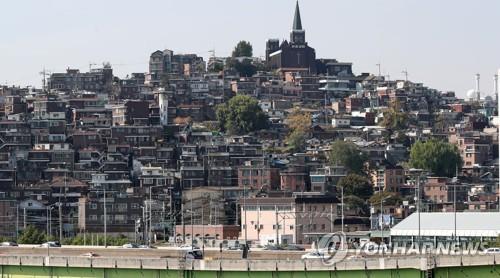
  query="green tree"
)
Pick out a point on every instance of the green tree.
point(243, 49)
point(356, 185)
point(347, 154)
point(356, 204)
point(441, 158)
point(245, 68)
point(394, 118)
point(31, 235)
point(240, 115)
point(296, 141)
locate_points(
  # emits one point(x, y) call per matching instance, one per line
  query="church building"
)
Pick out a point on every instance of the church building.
point(294, 55)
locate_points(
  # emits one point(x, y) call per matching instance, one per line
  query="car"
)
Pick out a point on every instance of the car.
point(8, 244)
point(293, 247)
point(235, 247)
point(145, 246)
point(130, 245)
point(51, 244)
point(273, 247)
point(194, 254)
point(90, 255)
point(493, 250)
point(189, 247)
point(314, 255)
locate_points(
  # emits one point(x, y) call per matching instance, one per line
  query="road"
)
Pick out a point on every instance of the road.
point(117, 252)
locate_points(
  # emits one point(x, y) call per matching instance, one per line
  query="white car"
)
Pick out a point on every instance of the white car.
point(494, 250)
point(314, 255)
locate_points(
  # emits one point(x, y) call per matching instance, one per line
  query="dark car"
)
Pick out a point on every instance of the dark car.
point(273, 247)
point(194, 254)
point(293, 247)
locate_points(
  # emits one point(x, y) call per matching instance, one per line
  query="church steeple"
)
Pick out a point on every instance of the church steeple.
point(297, 23)
point(298, 35)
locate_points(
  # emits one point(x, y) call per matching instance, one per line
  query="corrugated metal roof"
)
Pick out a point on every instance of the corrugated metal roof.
point(443, 224)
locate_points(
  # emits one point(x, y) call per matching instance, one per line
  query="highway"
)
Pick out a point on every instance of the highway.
point(161, 252)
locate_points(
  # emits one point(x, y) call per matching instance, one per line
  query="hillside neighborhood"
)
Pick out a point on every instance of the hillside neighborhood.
point(273, 150)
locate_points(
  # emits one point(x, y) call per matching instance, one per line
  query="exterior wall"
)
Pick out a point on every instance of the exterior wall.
point(258, 177)
point(262, 223)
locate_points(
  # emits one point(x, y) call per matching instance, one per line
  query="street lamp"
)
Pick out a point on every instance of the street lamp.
point(49, 220)
point(417, 173)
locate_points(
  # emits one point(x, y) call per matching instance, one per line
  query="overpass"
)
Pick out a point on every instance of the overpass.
point(135, 263)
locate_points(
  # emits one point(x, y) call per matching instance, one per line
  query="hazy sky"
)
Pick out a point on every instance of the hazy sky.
point(442, 43)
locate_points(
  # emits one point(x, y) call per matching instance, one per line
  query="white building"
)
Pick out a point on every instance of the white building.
point(438, 227)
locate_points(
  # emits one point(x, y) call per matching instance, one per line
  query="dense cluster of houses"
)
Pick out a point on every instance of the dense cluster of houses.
point(143, 154)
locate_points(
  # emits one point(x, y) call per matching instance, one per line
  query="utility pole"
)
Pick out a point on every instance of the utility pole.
point(24, 218)
point(105, 220)
point(150, 231)
point(17, 221)
point(418, 206)
point(379, 71)
point(60, 222)
point(183, 224)
point(455, 202)
point(277, 226)
point(244, 205)
point(342, 206)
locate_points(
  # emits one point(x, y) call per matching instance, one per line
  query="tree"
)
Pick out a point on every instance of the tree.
point(356, 185)
point(243, 49)
point(394, 118)
point(240, 115)
point(347, 154)
point(298, 120)
point(390, 199)
point(357, 204)
point(296, 141)
point(298, 123)
point(245, 68)
point(441, 158)
point(31, 235)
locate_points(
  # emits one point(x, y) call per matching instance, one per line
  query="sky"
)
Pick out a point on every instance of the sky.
point(441, 43)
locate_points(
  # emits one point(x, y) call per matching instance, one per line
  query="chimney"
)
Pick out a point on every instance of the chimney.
point(478, 93)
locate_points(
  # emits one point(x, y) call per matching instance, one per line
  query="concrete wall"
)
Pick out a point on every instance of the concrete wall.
point(72, 267)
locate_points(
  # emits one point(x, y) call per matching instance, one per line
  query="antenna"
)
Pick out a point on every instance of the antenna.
point(478, 94)
point(405, 72)
point(379, 72)
point(44, 73)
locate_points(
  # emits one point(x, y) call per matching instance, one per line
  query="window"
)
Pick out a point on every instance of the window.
point(93, 217)
point(93, 206)
point(291, 227)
